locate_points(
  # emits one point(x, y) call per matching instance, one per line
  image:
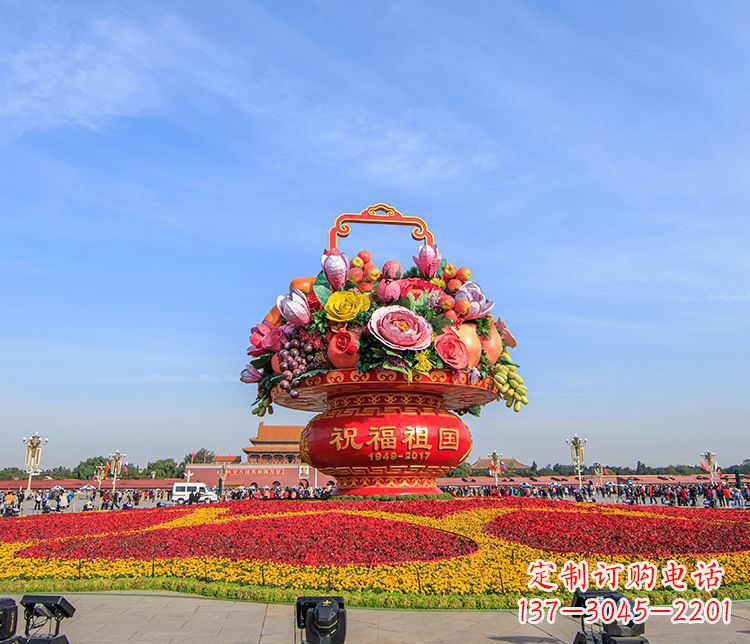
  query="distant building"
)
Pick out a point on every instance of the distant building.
point(511, 463)
point(218, 458)
point(275, 444)
point(273, 458)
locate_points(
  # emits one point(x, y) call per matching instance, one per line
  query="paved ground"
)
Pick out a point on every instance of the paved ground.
point(169, 618)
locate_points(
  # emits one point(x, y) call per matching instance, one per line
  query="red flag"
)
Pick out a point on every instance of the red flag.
point(492, 467)
point(704, 466)
point(106, 470)
point(192, 457)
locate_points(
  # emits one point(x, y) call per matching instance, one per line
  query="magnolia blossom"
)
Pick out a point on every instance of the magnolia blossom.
point(265, 338)
point(479, 305)
point(428, 260)
point(400, 328)
point(250, 374)
point(294, 307)
point(335, 266)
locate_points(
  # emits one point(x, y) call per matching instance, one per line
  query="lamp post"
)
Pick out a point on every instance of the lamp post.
point(222, 478)
point(100, 473)
point(599, 472)
point(115, 466)
point(709, 460)
point(576, 454)
point(495, 457)
point(33, 456)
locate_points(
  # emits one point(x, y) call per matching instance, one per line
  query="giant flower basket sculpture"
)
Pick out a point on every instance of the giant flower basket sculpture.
point(390, 358)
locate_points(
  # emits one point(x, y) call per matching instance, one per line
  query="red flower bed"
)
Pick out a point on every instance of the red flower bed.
point(607, 533)
point(322, 539)
point(424, 508)
point(49, 526)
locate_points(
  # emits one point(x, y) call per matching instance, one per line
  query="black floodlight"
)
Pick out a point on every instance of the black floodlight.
point(323, 619)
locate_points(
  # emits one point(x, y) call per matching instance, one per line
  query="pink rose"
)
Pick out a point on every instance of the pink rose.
point(452, 350)
point(399, 328)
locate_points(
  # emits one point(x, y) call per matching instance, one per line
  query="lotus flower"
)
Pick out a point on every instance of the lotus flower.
point(479, 306)
point(265, 338)
point(428, 260)
point(399, 328)
point(335, 267)
point(294, 307)
point(250, 374)
point(388, 291)
point(505, 335)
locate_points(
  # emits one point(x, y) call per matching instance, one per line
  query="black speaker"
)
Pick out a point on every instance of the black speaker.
point(8, 618)
point(57, 605)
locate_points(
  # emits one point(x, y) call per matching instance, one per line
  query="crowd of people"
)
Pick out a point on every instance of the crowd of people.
point(721, 495)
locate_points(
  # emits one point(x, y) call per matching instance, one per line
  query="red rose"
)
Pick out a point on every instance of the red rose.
point(452, 350)
point(342, 349)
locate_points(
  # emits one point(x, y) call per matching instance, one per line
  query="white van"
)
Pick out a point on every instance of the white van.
point(181, 493)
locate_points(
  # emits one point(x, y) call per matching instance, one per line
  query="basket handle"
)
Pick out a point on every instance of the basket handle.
point(378, 214)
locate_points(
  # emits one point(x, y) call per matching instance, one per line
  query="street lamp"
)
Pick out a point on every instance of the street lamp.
point(495, 461)
point(223, 478)
point(709, 463)
point(576, 454)
point(115, 466)
point(33, 456)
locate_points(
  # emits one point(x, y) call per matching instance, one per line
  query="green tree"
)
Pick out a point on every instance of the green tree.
point(86, 468)
point(201, 456)
point(462, 471)
point(165, 468)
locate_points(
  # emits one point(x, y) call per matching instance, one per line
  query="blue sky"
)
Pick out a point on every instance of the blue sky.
point(166, 169)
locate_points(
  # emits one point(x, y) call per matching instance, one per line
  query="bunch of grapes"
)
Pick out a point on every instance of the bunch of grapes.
point(293, 359)
point(509, 384)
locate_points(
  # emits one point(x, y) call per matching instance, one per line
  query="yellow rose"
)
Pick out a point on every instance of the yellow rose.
point(343, 306)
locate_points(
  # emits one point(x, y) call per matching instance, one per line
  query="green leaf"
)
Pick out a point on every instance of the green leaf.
point(406, 372)
point(474, 411)
point(437, 320)
point(322, 293)
point(483, 327)
point(262, 362)
point(321, 280)
point(439, 273)
point(410, 301)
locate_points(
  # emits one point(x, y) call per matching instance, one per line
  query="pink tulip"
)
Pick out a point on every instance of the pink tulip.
point(250, 374)
point(428, 260)
point(294, 307)
point(335, 267)
point(388, 291)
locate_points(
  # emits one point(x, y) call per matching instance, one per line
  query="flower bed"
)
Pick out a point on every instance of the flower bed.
point(470, 553)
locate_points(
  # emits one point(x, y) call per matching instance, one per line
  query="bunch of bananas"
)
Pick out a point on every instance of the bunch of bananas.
point(509, 384)
point(263, 405)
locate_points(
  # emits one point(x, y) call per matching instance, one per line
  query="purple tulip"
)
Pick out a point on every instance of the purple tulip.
point(428, 260)
point(336, 268)
point(294, 307)
point(479, 306)
point(250, 374)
